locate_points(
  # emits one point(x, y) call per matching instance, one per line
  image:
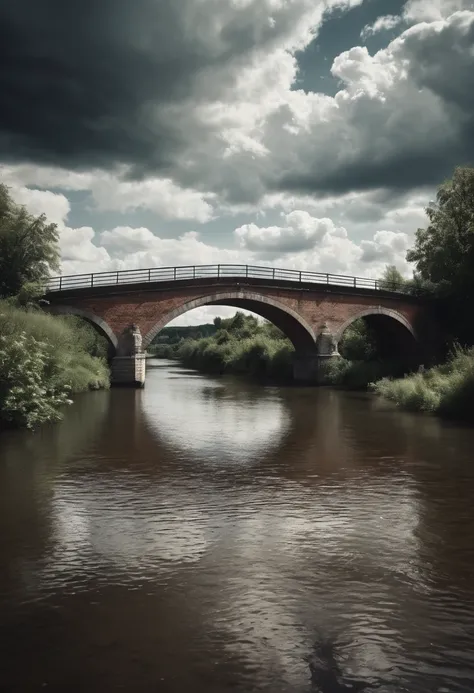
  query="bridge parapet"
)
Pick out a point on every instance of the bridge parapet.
point(186, 273)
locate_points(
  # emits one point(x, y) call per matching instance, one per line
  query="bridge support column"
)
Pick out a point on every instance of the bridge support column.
point(128, 371)
point(326, 346)
point(310, 367)
point(128, 367)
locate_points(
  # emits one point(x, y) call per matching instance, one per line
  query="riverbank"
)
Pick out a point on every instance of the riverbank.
point(240, 346)
point(446, 390)
point(44, 360)
point(244, 346)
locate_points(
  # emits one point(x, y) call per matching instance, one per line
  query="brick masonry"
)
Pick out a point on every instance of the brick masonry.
point(299, 312)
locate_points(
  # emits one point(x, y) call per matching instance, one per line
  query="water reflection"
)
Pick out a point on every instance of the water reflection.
point(187, 410)
point(232, 527)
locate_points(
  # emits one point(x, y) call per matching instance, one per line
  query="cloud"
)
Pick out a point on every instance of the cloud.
point(384, 23)
point(185, 108)
point(416, 11)
point(55, 206)
point(110, 192)
point(301, 232)
point(136, 248)
point(303, 241)
point(403, 117)
point(146, 62)
point(386, 247)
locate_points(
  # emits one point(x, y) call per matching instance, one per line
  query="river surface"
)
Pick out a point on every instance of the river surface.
point(207, 535)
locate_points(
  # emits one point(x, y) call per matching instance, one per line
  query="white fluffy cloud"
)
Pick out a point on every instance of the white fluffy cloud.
point(301, 232)
point(433, 10)
point(112, 192)
point(54, 205)
point(386, 247)
point(302, 241)
point(385, 23)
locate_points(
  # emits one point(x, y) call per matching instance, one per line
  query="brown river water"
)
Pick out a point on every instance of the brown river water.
point(207, 535)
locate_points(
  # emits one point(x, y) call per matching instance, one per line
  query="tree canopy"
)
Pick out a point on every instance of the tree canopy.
point(392, 279)
point(444, 252)
point(29, 248)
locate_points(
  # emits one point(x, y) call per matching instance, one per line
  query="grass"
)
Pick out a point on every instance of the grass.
point(446, 390)
point(43, 360)
point(357, 375)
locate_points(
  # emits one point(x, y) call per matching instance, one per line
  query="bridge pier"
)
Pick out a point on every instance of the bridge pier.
point(127, 369)
point(310, 367)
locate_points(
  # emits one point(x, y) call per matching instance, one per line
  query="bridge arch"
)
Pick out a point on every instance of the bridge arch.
point(376, 311)
point(395, 335)
point(294, 326)
point(97, 322)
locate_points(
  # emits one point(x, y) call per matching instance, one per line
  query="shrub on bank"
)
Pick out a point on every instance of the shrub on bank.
point(259, 356)
point(356, 375)
point(447, 390)
point(44, 359)
point(162, 351)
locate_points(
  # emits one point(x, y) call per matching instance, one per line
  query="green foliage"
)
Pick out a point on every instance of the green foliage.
point(447, 390)
point(392, 279)
point(444, 251)
point(358, 342)
point(162, 351)
point(358, 375)
point(87, 337)
point(28, 247)
point(242, 345)
point(30, 393)
point(175, 333)
point(44, 359)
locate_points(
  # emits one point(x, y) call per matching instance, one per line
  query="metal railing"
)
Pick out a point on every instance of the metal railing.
point(188, 272)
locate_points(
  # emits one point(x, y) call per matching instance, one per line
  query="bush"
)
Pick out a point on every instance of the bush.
point(358, 342)
point(44, 359)
point(162, 351)
point(447, 390)
point(30, 390)
point(234, 351)
point(356, 375)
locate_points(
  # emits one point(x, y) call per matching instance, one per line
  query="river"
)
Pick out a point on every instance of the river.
point(205, 534)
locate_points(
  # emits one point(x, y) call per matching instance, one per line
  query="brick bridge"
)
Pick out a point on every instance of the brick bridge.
point(312, 309)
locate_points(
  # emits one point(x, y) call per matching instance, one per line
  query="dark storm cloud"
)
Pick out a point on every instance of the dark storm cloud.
point(75, 75)
point(400, 173)
point(82, 82)
point(106, 82)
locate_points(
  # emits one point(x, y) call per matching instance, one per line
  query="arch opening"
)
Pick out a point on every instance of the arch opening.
point(293, 326)
point(380, 335)
point(99, 325)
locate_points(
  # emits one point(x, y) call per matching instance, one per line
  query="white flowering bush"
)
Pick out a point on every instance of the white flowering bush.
point(29, 395)
point(43, 360)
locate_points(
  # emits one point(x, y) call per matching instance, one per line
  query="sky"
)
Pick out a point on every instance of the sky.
point(291, 133)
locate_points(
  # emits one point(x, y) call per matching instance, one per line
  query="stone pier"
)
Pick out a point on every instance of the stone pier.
point(128, 367)
point(309, 367)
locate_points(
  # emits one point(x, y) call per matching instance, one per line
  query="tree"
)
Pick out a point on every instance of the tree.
point(237, 322)
point(392, 279)
point(29, 248)
point(444, 251)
